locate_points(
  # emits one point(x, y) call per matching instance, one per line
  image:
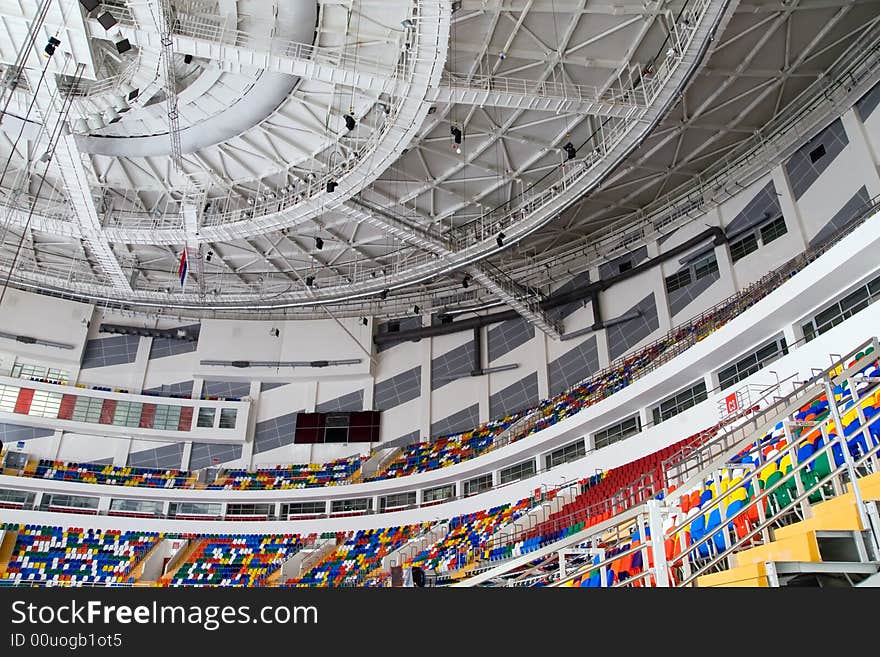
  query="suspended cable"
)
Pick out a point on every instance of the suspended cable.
point(53, 139)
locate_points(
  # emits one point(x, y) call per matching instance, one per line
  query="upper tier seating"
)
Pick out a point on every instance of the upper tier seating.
point(444, 451)
point(70, 557)
point(307, 475)
point(95, 473)
point(236, 560)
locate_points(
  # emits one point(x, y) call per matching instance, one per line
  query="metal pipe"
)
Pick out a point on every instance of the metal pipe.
point(590, 290)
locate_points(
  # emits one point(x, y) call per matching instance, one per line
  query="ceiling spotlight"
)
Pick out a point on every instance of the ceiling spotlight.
point(570, 150)
point(466, 281)
point(310, 280)
point(500, 239)
point(331, 186)
point(456, 134)
point(50, 47)
point(350, 123)
point(319, 243)
point(502, 56)
point(383, 294)
point(106, 20)
point(208, 256)
point(456, 5)
point(364, 321)
point(416, 310)
point(381, 108)
point(407, 23)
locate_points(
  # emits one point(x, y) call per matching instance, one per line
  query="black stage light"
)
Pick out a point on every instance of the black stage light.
point(106, 20)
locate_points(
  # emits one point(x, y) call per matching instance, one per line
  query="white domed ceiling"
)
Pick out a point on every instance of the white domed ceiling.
point(368, 155)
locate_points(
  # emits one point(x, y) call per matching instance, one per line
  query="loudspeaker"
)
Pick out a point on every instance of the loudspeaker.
point(106, 20)
point(123, 46)
point(89, 5)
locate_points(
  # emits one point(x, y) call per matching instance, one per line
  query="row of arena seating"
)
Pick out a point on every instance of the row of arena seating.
point(293, 476)
point(95, 473)
point(775, 456)
point(279, 477)
point(357, 556)
point(56, 556)
point(446, 450)
point(236, 560)
point(601, 497)
point(722, 509)
point(467, 534)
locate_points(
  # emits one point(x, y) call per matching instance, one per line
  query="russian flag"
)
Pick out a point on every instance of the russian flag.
point(183, 268)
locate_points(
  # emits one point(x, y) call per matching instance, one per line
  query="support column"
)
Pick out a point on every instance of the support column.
point(247, 449)
point(123, 448)
point(543, 368)
point(140, 365)
point(790, 210)
point(483, 381)
point(424, 425)
point(861, 147)
point(369, 392)
point(664, 316)
point(187, 455)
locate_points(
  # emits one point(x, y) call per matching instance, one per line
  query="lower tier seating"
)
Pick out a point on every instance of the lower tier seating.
point(70, 557)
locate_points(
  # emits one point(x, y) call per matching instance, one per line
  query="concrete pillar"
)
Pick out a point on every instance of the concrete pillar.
point(863, 151)
point(790, 210)
point(424, 420)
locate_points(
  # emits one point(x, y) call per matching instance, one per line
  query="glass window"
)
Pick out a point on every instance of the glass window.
point(678, 280)
point(303, 508)
point(617, 432)
point(743, 247)
point(517, 472)
point(17, 498)
point(45, 404)
point(146, 507)
point(397, 500)
point(38, 372)
point(705, 267)
point(227, 418)
point(774, 230)
point(249, 509)
point(439, 493)
point(478, 484)
point(206, 417)
point(343, 506)
point(751, 363)
point(194, 509)
point(570, 452)
point(680, 402)
point(8, 398)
